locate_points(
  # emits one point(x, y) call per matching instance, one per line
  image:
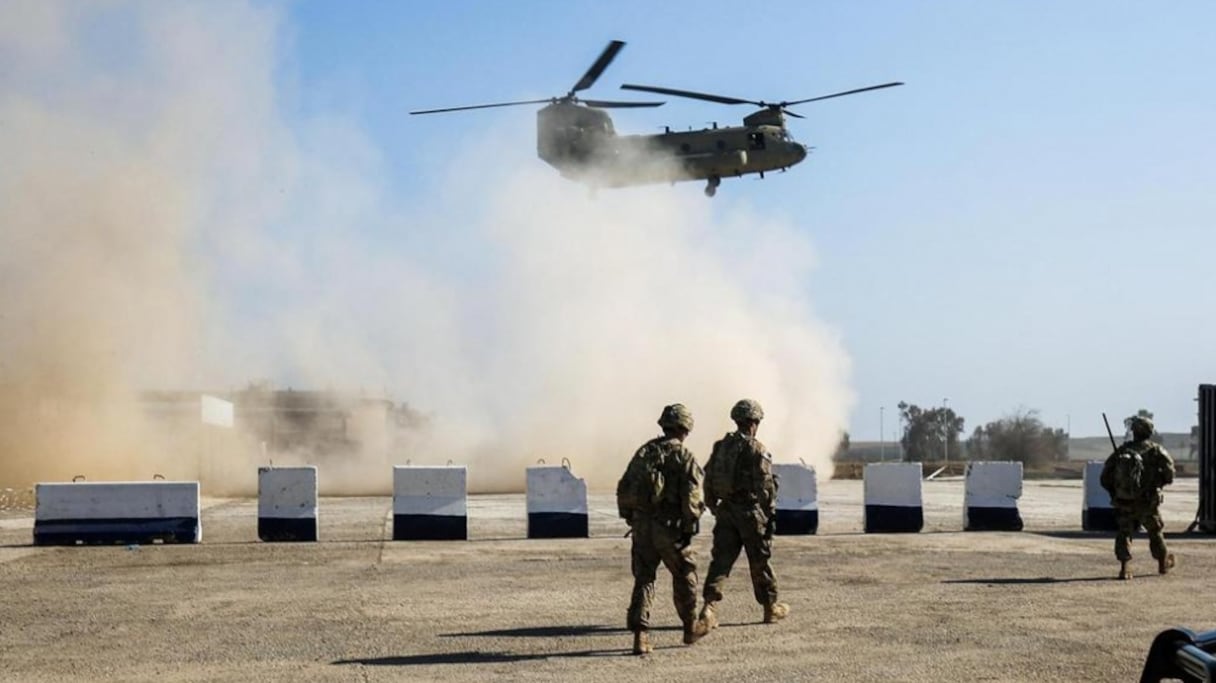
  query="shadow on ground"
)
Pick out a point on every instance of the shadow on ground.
point(477, 657)
point(1170, 535)
point(547, 631)
point(562, 631)
point(1005, 581)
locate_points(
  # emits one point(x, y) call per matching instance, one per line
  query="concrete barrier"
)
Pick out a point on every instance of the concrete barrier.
point(556, 503)
point(990, 496)
point(430, 503)
point(893, 497)
point(287, 503)
point(1097, 514)
point(797, 499)
point(117, 512)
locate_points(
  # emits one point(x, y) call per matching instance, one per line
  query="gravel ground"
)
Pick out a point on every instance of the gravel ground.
point(942, 605)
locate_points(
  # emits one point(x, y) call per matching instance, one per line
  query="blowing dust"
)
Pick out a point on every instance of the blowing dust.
point(169, 226)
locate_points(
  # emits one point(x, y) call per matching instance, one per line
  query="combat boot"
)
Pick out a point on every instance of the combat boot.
point(709, 615)
point(1165, 564)
point(775, 611)
point(1124, 572)
point(641, 643)
point(694, 631)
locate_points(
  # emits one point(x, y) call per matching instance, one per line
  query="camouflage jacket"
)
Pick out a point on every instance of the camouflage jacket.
point(1158, 467)
point(753, 482)
point(679, 498)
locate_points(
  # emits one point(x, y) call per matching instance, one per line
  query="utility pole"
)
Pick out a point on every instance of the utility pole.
point(882, 436)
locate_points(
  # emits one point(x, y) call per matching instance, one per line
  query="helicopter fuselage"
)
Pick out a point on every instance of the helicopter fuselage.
point(582, 144)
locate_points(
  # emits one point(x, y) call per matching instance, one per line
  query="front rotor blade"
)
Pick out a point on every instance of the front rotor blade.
point(609, 104)
point(596, 69)
point(796, 115)
point(842, 94)
point(481, 106)
point(689, 93)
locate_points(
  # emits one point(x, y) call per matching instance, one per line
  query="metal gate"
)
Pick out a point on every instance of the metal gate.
point(1207, 458)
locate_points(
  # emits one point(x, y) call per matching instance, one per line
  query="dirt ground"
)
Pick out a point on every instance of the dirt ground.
point(942, 605)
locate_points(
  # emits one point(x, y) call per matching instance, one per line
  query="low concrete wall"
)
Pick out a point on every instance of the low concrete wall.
point(117, 512)
point(430, 503)
point(893, 498)
point(990, 496)
point(287, 503)
point(556, 503)
point(797, 499)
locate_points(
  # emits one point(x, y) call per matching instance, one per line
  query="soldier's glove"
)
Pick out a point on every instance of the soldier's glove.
point(770, 527)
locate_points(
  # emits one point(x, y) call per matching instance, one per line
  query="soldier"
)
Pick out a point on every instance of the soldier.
point(741, 493)
point(659, 496)
point(1134, 475)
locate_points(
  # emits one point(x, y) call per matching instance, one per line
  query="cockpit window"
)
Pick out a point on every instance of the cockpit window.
point(755, 140)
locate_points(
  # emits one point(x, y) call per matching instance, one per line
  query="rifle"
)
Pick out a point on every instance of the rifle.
point(1109, 433)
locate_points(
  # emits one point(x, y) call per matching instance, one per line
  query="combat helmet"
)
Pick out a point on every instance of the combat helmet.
point(747, 409)
point(1139, 423)
point(676, 415)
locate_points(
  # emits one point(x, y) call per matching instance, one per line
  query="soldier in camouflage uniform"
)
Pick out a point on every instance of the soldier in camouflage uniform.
point(659, 496)
point(742, 494)
point(1142, 508)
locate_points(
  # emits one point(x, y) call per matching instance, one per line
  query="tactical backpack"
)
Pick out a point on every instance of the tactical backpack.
point(643, 484)
point(722, 465)
point(1127, 475)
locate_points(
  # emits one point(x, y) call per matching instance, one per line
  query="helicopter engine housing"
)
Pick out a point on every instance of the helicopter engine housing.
point(569, 136)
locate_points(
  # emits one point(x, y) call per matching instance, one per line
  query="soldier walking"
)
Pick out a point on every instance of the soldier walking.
point(741, 493)
point(659, 496)
point(1134, 475)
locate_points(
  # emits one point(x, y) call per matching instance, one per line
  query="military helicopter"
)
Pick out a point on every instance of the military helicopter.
point(579, 140)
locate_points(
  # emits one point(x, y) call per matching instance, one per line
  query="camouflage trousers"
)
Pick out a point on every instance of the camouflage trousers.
point(653, 542)
point(741, 527)
point(1130, 516)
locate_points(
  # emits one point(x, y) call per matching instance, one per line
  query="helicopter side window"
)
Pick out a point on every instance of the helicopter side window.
point(721, 144)
point(755, 140)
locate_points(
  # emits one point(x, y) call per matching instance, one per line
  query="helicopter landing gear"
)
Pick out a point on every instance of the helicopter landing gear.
point(711, 187)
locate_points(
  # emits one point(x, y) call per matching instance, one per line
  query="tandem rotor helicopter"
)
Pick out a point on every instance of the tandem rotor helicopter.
point(577, 137)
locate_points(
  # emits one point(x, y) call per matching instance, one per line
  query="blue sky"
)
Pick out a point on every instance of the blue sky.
point(1025, 224)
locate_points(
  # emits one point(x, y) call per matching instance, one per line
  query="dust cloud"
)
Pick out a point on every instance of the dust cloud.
point(168, 225)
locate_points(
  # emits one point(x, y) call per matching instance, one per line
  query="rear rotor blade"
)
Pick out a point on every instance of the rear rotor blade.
point(482, 106)
point(598, 67)
point(842, 94)
point(609, 104)
point(689, 93)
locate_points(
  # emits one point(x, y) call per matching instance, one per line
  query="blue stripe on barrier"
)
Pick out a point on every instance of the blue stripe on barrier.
point(894, 519)
point(797, 522)
point(116, 530)
point(430, 527)
point(1099, 519)
point(279, 529)
point(993, 519)
point(557, 525)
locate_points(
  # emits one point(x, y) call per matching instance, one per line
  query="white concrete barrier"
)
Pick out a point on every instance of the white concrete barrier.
point(1097, 513)
point(893, 497)
point(430, 503)
point(797, 499)
point(117, 512)
point(287, 503)
point(990, 496)
point(556, 502)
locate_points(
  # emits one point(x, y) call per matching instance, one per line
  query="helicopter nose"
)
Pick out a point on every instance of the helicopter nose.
point(800, 152)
